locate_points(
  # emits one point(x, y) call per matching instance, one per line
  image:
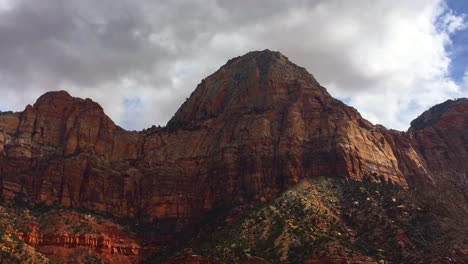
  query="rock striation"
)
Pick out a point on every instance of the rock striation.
point(254, 128)
point(99, 243)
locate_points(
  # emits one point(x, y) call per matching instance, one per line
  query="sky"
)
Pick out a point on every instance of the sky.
point(140, 59)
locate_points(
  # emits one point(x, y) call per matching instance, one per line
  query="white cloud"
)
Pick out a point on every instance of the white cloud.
point(451, 23)
point(5, 4)
point(390, 58)
point(393, 64)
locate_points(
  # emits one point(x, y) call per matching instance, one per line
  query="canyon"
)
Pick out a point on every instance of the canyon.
point(250, 131)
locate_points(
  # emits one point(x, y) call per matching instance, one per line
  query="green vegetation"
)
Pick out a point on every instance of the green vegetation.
point(82, 227)
point(332, 217)
point(92, 259)
point(13, 250)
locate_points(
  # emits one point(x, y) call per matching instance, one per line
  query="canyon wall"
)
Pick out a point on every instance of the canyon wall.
point(249, 131)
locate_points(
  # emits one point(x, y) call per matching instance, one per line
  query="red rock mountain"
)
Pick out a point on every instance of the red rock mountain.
point(248, 132)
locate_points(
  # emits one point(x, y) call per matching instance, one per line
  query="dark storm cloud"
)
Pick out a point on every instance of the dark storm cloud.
point(90, 42)
point(76, 42)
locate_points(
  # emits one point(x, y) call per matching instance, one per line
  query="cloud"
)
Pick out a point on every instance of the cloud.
point(394, 54)
point(465, 81)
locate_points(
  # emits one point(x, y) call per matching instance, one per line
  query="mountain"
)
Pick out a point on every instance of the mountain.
point(255, 128)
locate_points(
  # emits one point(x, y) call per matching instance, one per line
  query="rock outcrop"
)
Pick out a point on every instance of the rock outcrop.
point(441, 136)
point(248, 132)
point(98, 243)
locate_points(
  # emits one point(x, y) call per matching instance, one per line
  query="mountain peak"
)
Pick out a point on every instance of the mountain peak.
point(256, 81)
point(267, 62)
point(62, 100)
point(265, 55)
point(53, 96)
point(436, 113)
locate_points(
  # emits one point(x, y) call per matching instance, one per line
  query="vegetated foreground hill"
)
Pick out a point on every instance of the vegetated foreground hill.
point(33, 234)
point(329, 220)
point(254, 129)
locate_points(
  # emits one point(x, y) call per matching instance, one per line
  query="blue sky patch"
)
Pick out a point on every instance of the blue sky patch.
point(459, 49)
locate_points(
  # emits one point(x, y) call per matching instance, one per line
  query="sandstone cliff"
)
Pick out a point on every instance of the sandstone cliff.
point(249, 131)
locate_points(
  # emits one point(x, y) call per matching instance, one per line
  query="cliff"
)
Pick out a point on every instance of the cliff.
point(251, 130)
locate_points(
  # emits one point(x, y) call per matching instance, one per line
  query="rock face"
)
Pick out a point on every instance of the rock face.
point(98, 243)
point(52, 151)
point(441, 136)
point(249, 131)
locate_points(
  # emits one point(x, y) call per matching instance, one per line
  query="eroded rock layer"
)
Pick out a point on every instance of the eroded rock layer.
point(249, 131)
